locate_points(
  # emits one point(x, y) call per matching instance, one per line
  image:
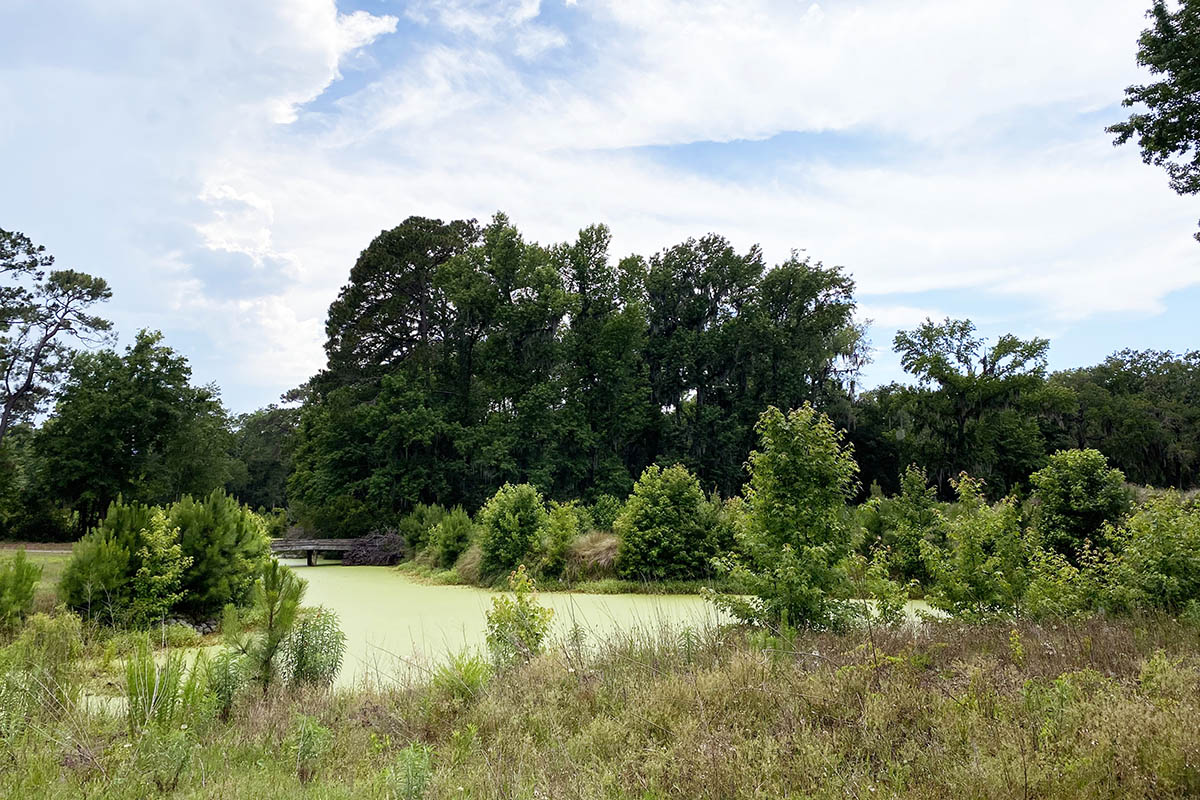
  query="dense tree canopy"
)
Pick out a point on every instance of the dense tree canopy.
point(131, 425)
point(464, 358)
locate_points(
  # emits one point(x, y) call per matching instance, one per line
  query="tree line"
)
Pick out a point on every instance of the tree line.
point(463, 357)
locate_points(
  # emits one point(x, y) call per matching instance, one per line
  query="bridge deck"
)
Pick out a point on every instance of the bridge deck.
point(310, 547)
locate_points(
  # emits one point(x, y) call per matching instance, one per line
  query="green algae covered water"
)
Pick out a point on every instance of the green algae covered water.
point(395, 625)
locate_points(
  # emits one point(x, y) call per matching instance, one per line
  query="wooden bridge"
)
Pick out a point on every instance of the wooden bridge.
point(310, 547)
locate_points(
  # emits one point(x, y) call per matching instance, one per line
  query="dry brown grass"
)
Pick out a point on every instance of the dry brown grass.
point(592, 556)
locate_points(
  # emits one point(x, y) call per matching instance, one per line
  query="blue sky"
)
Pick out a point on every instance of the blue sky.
point(222, 163)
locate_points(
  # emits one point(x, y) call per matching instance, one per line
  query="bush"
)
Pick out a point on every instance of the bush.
point(161, 694)
point(177, 635)
point(277, 595)
point(45, 660)
point(985, 570)
point(517, 625)
point(510, 524)
point(463, 676)
point(18, 583)
point(795, 540)
point(469, 566)
point(155, 588)
point(1158, 566)
point(416, 528)
point(562, 528)
point(663, 527)
point(313, 651)
point(1076, 496)
point(452, 536)
point(97, 581)
point(311, 741)
point(605, 511)
point(227, 546)
point(408, 777)
point(225, 678)
point(911, 517)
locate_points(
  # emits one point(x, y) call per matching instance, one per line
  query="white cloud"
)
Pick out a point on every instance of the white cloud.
point(151, 134)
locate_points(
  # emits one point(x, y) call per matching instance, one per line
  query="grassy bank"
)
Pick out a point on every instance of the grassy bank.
point(1088, 709)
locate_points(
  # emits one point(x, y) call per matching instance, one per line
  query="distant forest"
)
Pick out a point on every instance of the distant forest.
point(462, 357)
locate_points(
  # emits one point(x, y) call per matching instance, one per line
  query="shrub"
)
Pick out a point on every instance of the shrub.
point(155, 587)
point(18, 582)
point(409, 775)
point(463, 676)
point(162, 756)
point(1057, 588)
point(562, 528)
point(384, 548)
point(161, 694)
point(225, 678)
point(416, 527)
point(795, 537)
point(1158, 566)
point(45, 659)
point(311, 741)
point(97, 581)
point(469, 566)
point(605, 511)
point(313, 651)
point(985, 570)
point(1076, 495)
point(227, 546)
point(277, 595)
point(178, 635)
point(517, 625)
point(912, 517)
point(452, 536)
point(663, 528)
point(510, 523)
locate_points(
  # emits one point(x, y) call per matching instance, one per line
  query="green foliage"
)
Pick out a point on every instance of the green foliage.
point(262, 448)
point(795, 538)
point(157, 581)
point(872, 582)
point(277, 595)
point(511, 523)
point(417, 526)
point(45, 660)
point(664, 527)
point(313, 651)
point(462, 676)
point(162, 693)
point(1167, 108)
point(1059, 588)
point(310, 740)
point(131, 425)
point(18, 581)
point(226, 676)
point(1076, 496)
point(605, 511)
point(985, 570)
point(227, 547)
point(517, 625)
point(452, 536)
point(563, 526)
point(1158, 566)
point(98, 580)
point(409, 775)
point(40, 309)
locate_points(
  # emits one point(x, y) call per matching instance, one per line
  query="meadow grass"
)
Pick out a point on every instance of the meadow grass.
point(1089, 709)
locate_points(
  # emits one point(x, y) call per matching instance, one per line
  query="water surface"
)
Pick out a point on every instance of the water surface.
point(394, 623)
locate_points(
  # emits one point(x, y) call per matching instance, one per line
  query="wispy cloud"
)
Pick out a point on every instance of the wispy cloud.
point(155, 142)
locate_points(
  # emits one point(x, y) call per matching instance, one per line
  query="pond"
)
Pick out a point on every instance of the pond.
point(394, 624)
